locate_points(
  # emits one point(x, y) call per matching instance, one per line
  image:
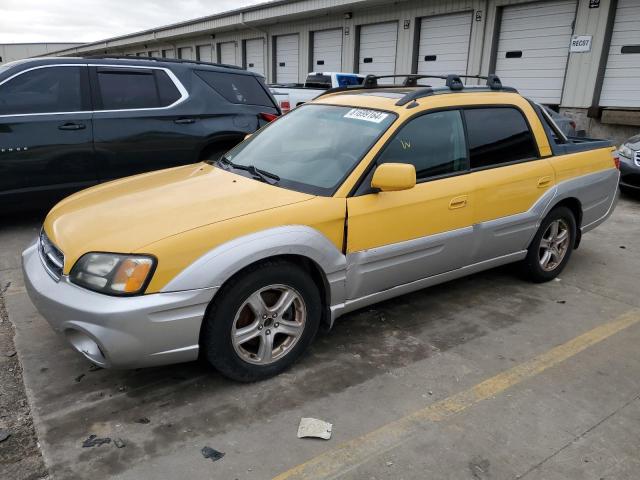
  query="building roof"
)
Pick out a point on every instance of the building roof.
point(260, 14)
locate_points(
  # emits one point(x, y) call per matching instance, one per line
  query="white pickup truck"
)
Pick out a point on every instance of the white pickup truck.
point(291, 95)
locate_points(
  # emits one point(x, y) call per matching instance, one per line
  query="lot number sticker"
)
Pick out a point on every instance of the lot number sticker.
point(366, 115)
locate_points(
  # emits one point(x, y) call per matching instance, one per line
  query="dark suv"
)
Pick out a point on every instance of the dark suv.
point(68, 123)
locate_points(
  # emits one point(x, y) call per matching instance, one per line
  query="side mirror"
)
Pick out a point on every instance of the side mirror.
point(391, 177)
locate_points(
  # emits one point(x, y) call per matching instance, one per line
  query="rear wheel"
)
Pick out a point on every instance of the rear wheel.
point(552, 245)
point(262, 321)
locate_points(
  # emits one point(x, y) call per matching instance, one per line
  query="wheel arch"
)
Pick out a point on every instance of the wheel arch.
point(298, 244)
point(573, 204)
point(219, 142)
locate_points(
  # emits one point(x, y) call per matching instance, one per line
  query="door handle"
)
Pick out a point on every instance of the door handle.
point(184, 121)
point(544, 182)
point(72, 126)
point(458, 202)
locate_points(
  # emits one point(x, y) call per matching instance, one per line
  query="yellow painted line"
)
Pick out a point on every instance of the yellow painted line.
point(355, 452)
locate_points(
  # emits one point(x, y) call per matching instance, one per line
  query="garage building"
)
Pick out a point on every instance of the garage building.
point(579, 56)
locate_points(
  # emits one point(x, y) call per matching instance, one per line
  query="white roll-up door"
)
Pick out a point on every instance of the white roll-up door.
point(621, 86)
point(228, 53)
point(533, 48)
point(377, 49)
point(287, 50)
point(204, 53)
point(327, 51)
point(444, 45)
point(185, 53)
point(254, 55)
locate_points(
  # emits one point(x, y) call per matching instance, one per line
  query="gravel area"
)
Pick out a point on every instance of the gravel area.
point(20, 457)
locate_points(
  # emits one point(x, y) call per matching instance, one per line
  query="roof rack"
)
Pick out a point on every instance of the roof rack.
point(159, 59)
point(453, 83)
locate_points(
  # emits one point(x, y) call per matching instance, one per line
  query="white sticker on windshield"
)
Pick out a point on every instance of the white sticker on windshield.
point(366, 115)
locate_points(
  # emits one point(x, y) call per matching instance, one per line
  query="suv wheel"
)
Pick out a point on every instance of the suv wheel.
point(261, 321)
point(551, 248)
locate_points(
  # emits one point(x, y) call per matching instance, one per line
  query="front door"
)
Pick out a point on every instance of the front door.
point(46, 148)
point(399, 237)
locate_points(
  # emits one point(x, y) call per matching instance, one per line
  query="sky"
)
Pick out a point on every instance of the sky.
point(92, 20)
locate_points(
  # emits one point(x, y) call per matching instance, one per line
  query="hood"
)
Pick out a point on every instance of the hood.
point(634, 142)
point(125, 215)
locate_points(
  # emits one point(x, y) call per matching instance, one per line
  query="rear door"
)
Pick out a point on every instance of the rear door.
point(46, 145)
point(377, 49)
point(443, 45)
point(137, 123)
point(509, 177)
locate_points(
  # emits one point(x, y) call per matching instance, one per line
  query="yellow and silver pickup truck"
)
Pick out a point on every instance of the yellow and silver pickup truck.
point(366, 193)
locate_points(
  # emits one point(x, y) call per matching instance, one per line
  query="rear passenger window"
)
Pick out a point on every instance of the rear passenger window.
point(237, 88)
point(125, 89)
point(43, 90)
point(498, 135)
point(433, 143)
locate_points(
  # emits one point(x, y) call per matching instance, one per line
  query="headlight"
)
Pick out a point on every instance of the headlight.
point(626, 151)
point(112, 273)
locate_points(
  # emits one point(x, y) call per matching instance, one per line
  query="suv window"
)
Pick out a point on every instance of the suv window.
point(498, 135)
point(237, 88)
point(43, 90)
point(128, 88)
point(434, 143)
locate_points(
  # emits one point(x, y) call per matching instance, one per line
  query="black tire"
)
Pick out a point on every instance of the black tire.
point(215, 340)
point(531, 265)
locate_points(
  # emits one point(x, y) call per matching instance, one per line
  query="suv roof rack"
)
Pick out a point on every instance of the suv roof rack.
point(159, 59)
point(453, 83)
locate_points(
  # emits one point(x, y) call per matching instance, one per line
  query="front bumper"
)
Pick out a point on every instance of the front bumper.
point(629, 172)
point(118, 332)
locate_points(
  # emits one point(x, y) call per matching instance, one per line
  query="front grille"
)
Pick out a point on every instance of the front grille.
point(52, 258)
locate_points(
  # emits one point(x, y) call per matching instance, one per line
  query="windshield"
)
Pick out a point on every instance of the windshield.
point(314, 147)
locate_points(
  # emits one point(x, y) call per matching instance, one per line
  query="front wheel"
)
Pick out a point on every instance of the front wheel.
point(551, 247)
point(261, 321)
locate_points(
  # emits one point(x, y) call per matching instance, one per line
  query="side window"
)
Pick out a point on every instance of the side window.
point(498, 135)
point(434, 143)
point(237, 88)
point(124, 89)
point(43, 90)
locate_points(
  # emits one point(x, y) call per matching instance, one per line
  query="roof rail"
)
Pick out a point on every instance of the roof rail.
point(159, 59)
point(453, 83)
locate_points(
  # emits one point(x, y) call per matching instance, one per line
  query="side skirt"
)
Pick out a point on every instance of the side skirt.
point(351, 305)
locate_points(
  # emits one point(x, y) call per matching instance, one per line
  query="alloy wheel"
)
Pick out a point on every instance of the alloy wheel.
point(554, 245)
point(268, 324)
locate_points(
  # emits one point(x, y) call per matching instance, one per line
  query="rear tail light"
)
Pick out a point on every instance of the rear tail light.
point(285, 106)
point(269, 117)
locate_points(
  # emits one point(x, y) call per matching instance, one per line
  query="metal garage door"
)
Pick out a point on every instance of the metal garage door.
point(533, 48)
point(377, 49)
point(327, 51)
point(227, 53)
point(287, 59)
point(185, 53)
point(204, 53)
point(444, 45)
point(254, 55)
point(621, 86)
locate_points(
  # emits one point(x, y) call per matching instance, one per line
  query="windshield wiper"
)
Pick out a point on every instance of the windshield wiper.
point(257, 173)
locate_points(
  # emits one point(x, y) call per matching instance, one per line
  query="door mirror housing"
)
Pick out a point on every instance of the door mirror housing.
point(392, 177)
